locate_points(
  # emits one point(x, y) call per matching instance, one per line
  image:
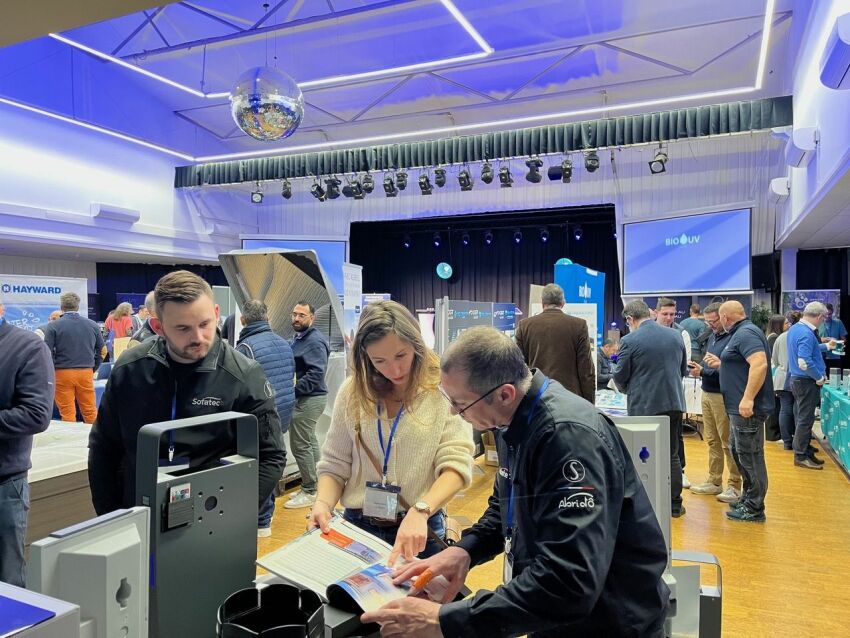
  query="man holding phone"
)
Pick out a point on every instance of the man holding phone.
point(715, 419)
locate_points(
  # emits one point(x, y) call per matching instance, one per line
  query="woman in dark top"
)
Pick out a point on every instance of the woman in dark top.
point(775, 327)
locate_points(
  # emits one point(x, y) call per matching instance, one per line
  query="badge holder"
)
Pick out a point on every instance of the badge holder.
point(381, 501)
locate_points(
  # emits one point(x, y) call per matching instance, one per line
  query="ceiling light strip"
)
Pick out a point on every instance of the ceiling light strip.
point(765, 41)
point(99, 129)
point(472, 31)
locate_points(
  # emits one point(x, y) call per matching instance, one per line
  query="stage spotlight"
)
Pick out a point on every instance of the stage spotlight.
point(578, 233)
point(440, 177)
point(614, 232)
point(659, 163)
point(591, 162)
point(564, 172)
point(354, 189)
point(544, 236)
point(317, 191)
point(533, 174)
point(389, 186)
point(488, 238)
point(425, 184)
point(487, 173)
point(406, 241)
point(401, 180)
point(505, 176)
point(286, 189)
point(464, 239)
point(517, 236)
point(332, 185)
point(437, 240)
point(465, 180)
point(257, 197)
point(368, 183)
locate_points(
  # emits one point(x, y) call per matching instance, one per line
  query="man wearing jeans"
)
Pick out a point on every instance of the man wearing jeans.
point(748, 395)
point(26, 404)
point(715, 418)
point(808, 373)
point(311, 352)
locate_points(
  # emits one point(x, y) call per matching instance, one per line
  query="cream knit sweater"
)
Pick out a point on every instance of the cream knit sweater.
point(428, 440)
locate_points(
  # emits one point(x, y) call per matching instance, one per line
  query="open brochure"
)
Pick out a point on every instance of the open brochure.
point(346, 567)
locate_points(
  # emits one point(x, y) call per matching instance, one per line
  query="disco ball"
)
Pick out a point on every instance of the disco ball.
point(267, 104)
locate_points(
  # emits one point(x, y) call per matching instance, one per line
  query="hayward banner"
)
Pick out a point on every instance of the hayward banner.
point(29, 299)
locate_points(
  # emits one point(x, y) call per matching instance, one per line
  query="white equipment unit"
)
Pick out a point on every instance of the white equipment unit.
point(801, 147)
point(835, 65)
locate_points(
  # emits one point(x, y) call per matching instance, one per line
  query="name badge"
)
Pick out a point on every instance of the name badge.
point(381, 501)
point(508, 566)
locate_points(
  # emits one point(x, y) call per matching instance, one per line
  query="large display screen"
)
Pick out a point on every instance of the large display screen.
point(699, 253)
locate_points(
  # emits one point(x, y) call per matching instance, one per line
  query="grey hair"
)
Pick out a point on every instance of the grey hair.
point(255, 310)
point(814, 309)
point(552, 295)
point(150, 303)
point(69, 302)
point(636, 309)
point(489, 358)
point(712, 308)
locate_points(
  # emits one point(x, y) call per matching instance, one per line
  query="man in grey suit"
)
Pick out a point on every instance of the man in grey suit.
point(650, 367)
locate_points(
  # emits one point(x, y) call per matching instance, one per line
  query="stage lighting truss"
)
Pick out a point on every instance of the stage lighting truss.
point(505, 178)
point(464, 178)
point(533, 175)
point(487, 173)
point(425, 184)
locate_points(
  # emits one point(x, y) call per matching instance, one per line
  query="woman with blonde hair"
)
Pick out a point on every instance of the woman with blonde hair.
point(394, 454)
point(120, 322)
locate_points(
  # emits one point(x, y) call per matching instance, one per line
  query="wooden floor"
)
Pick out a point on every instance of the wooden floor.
point(787, 577)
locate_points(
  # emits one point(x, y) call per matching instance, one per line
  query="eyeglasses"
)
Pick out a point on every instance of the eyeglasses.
point(483, 396)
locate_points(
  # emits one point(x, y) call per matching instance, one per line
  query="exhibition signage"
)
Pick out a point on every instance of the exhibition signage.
point(587, 312)
point(29, 299)
point(352, 297)
point(583, 286)
point(797, 299)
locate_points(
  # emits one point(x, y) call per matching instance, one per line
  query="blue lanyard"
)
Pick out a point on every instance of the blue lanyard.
point(389, 446)
point(511, 467)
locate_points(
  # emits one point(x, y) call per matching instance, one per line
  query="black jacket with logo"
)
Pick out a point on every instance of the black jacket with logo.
point(588, 551)
point(142, 389)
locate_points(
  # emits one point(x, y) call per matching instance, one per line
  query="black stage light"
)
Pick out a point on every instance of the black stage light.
point(578, 233)
point(425, 184)
point(517, 236)
point(437, 240)
point(591, 162)
point(354, 189)
point(332, 185)
point(464, 239)
point(401, 180)
point(564, 172)
point(257, 197)
point(487, 173)
point(505, 176)
point(488, 238)
point(533, 174)
point(544, 236)
point(389, 186)
point(286, 189)
point(317, 191)
point(368, 183)
point(659, 163)
point(440, 177)
point(465, 180)
point(406, 242)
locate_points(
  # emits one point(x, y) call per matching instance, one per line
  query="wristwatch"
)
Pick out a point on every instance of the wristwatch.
point(422, 507)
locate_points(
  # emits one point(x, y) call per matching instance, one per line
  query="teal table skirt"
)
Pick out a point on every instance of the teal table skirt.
point(835, 422)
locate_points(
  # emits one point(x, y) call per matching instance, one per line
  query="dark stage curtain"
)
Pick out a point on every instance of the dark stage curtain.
point(114, 278)
point(500, 272)
point(826, 269)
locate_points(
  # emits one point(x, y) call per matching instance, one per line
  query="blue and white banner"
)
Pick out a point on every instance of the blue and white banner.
point(29, 299)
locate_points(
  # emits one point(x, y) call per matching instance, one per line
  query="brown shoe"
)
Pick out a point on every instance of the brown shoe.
point(808, 464)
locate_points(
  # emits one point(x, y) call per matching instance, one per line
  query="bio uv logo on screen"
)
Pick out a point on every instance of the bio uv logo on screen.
point(20, 288)
point(682, 240)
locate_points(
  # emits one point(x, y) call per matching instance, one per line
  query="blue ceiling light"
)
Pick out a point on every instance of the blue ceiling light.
point(578, 233)
point(444, 270)
point(517, 236)
point(406, 241)
point(464, 239)
point(437, 240)
point(488, 238)
point(544, 236)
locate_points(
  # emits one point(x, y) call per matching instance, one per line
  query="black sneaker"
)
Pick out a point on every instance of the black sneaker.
point(788, 446)
point(736, 505)
point(815, 459)
point(746, 515)
point(808, 464)
point(678, 513)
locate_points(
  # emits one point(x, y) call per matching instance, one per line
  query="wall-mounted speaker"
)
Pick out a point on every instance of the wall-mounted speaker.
point(835, 65)
point(764, 272)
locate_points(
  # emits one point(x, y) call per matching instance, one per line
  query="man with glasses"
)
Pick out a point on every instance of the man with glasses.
point(650, 367)
point(311, 351)
point(714, 417)
point(584, 553)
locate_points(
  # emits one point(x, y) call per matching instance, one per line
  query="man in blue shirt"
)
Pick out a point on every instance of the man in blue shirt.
point(808, 373)
point(832, 330)
point(694, 325)
point(747, 391)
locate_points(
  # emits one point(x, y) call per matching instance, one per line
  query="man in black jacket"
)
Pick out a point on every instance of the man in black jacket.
point(187, 371)
point(584, 551)
point(26, 404)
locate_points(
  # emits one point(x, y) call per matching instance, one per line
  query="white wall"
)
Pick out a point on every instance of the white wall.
point(816, 106)
point(15, 265)
point(52, 172)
